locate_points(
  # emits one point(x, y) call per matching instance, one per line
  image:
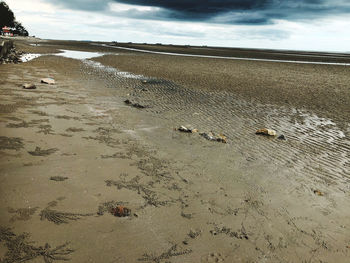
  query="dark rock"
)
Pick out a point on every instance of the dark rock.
point(281, 137)
point(187, 129)
point(134, 104)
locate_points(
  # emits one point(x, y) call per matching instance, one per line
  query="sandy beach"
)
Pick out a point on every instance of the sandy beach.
point(72, 151)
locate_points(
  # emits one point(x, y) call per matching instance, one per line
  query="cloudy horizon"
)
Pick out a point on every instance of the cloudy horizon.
point(319, 25)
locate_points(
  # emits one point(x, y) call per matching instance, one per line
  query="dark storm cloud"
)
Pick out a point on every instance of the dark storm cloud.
point(249, 12)
point(245, 11)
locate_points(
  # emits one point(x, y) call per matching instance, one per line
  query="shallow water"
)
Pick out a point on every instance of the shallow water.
point(82, 55)
point(29, 57)
point(79, 54)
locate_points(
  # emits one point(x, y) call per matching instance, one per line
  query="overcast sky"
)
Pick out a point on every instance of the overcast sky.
point(283, 24)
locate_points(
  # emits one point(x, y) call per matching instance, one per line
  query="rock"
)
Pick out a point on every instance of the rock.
point(267, 132)
point(221, 138)
point(135, 105)
point(187, 129)
point(281, 137)
point(29, 86)
point(318, 192)
point(213, 137)
point(120, 211)
point(49, 81)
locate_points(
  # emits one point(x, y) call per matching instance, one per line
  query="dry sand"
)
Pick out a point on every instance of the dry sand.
point(254, 199)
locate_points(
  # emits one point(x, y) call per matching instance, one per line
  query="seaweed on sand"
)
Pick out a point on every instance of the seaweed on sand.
point(150, 197)
point(60, 217)
point(21, 213)
point(39, 152)
point(12, 143)
point(20, 249)
point(22, 124)
point(58, 178)
point(171, 252)
point(46, 129)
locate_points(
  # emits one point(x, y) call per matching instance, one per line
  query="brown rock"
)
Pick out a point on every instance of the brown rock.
point(29, 86)
point(267, 132)
point(318, 192)
point(121, 211)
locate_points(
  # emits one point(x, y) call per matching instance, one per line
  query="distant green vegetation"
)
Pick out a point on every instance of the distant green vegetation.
point(7, 18)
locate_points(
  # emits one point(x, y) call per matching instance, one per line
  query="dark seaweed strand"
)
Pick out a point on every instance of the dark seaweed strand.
point(60, 217)
point(20, 249)
point(172, 252)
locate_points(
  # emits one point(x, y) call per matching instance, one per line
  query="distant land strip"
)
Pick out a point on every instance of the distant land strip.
point(232, 58)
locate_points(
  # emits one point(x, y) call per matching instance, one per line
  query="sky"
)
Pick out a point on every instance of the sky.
point(319, 25)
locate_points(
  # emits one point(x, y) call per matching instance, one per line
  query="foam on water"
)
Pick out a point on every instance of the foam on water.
point(113, 70)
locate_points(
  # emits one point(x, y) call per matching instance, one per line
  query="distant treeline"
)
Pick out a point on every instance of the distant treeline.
point(7, 18)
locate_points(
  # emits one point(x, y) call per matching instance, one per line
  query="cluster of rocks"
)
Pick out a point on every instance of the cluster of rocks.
point(211, 136)
point(9, 54)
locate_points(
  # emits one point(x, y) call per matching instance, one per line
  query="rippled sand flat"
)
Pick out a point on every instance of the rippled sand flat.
point(252, 199)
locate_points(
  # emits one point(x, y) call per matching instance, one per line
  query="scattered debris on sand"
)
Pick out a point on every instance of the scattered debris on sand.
point(267, 132)
point(58, 178)
point(240, 234)
point(28, 86)
point(49, 81)
point(134, 104)
point(20, 249)
point(39, 152)
point(13, 143)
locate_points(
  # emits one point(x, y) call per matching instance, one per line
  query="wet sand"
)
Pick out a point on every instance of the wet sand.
point(253, 199)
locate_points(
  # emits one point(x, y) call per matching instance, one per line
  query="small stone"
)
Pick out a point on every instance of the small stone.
point(184, 129)
point(29, 86)
point(318, 192)
point(185, 242)
point(281, 137)
point(49, 81)
point(267, 132)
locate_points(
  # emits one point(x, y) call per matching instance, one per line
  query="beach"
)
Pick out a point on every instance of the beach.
point(72, 151)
